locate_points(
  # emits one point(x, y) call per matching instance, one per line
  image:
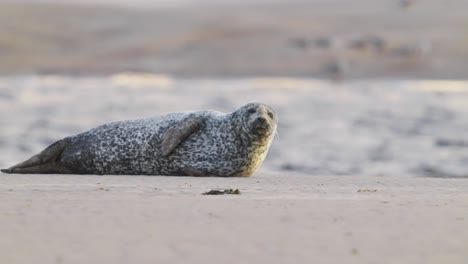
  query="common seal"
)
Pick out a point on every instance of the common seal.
point(202, 143)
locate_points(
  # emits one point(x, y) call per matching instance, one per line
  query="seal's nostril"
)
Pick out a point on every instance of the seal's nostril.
point(261, 119)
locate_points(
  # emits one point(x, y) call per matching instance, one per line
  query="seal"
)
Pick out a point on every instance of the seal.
point(202, 143)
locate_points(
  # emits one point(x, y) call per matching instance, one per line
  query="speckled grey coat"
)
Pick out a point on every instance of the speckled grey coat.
point(204, 143)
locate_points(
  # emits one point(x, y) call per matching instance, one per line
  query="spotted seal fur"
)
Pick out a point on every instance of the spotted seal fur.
point(203, 143)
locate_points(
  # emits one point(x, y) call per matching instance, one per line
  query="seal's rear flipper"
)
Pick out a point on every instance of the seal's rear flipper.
point(51, 167)
point(40, 163)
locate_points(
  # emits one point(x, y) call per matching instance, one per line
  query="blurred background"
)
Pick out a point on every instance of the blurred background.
point(232, 38)
point(370, 87)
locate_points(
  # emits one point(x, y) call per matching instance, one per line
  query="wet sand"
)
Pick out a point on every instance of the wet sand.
point(277, 218)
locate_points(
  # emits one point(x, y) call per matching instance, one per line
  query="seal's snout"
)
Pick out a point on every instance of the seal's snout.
point(261, 120)
point(261, 124)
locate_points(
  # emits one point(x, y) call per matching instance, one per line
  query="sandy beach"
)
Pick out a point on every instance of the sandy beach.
point(370, 164)
point(277, 218)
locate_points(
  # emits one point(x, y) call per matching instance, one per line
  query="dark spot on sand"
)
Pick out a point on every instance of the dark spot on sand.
point(291, 167)
point(367, 190)
point(299, 43)
point(445, 142)
point(323, 42)
point(436, 172)
point(354, 251)
point(221, 192)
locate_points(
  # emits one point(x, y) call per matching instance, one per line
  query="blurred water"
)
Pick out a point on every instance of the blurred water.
point(395, 128)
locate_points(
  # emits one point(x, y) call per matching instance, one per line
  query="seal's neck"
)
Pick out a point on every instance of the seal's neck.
point(256, 155)
point(237, 125)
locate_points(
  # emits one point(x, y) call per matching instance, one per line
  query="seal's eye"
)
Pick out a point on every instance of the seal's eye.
point(270, 114)
point(251, 111)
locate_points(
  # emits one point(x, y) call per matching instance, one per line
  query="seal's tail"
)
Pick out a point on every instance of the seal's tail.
point(44, 162)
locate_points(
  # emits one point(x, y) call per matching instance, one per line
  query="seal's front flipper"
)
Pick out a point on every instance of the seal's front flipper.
point(51, 153)
point(178, 133)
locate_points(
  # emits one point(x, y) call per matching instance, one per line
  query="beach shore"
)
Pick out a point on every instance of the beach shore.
point(277, 218)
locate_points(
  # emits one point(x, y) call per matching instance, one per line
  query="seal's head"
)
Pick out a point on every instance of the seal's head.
point(260, 120)
point(257, 123)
